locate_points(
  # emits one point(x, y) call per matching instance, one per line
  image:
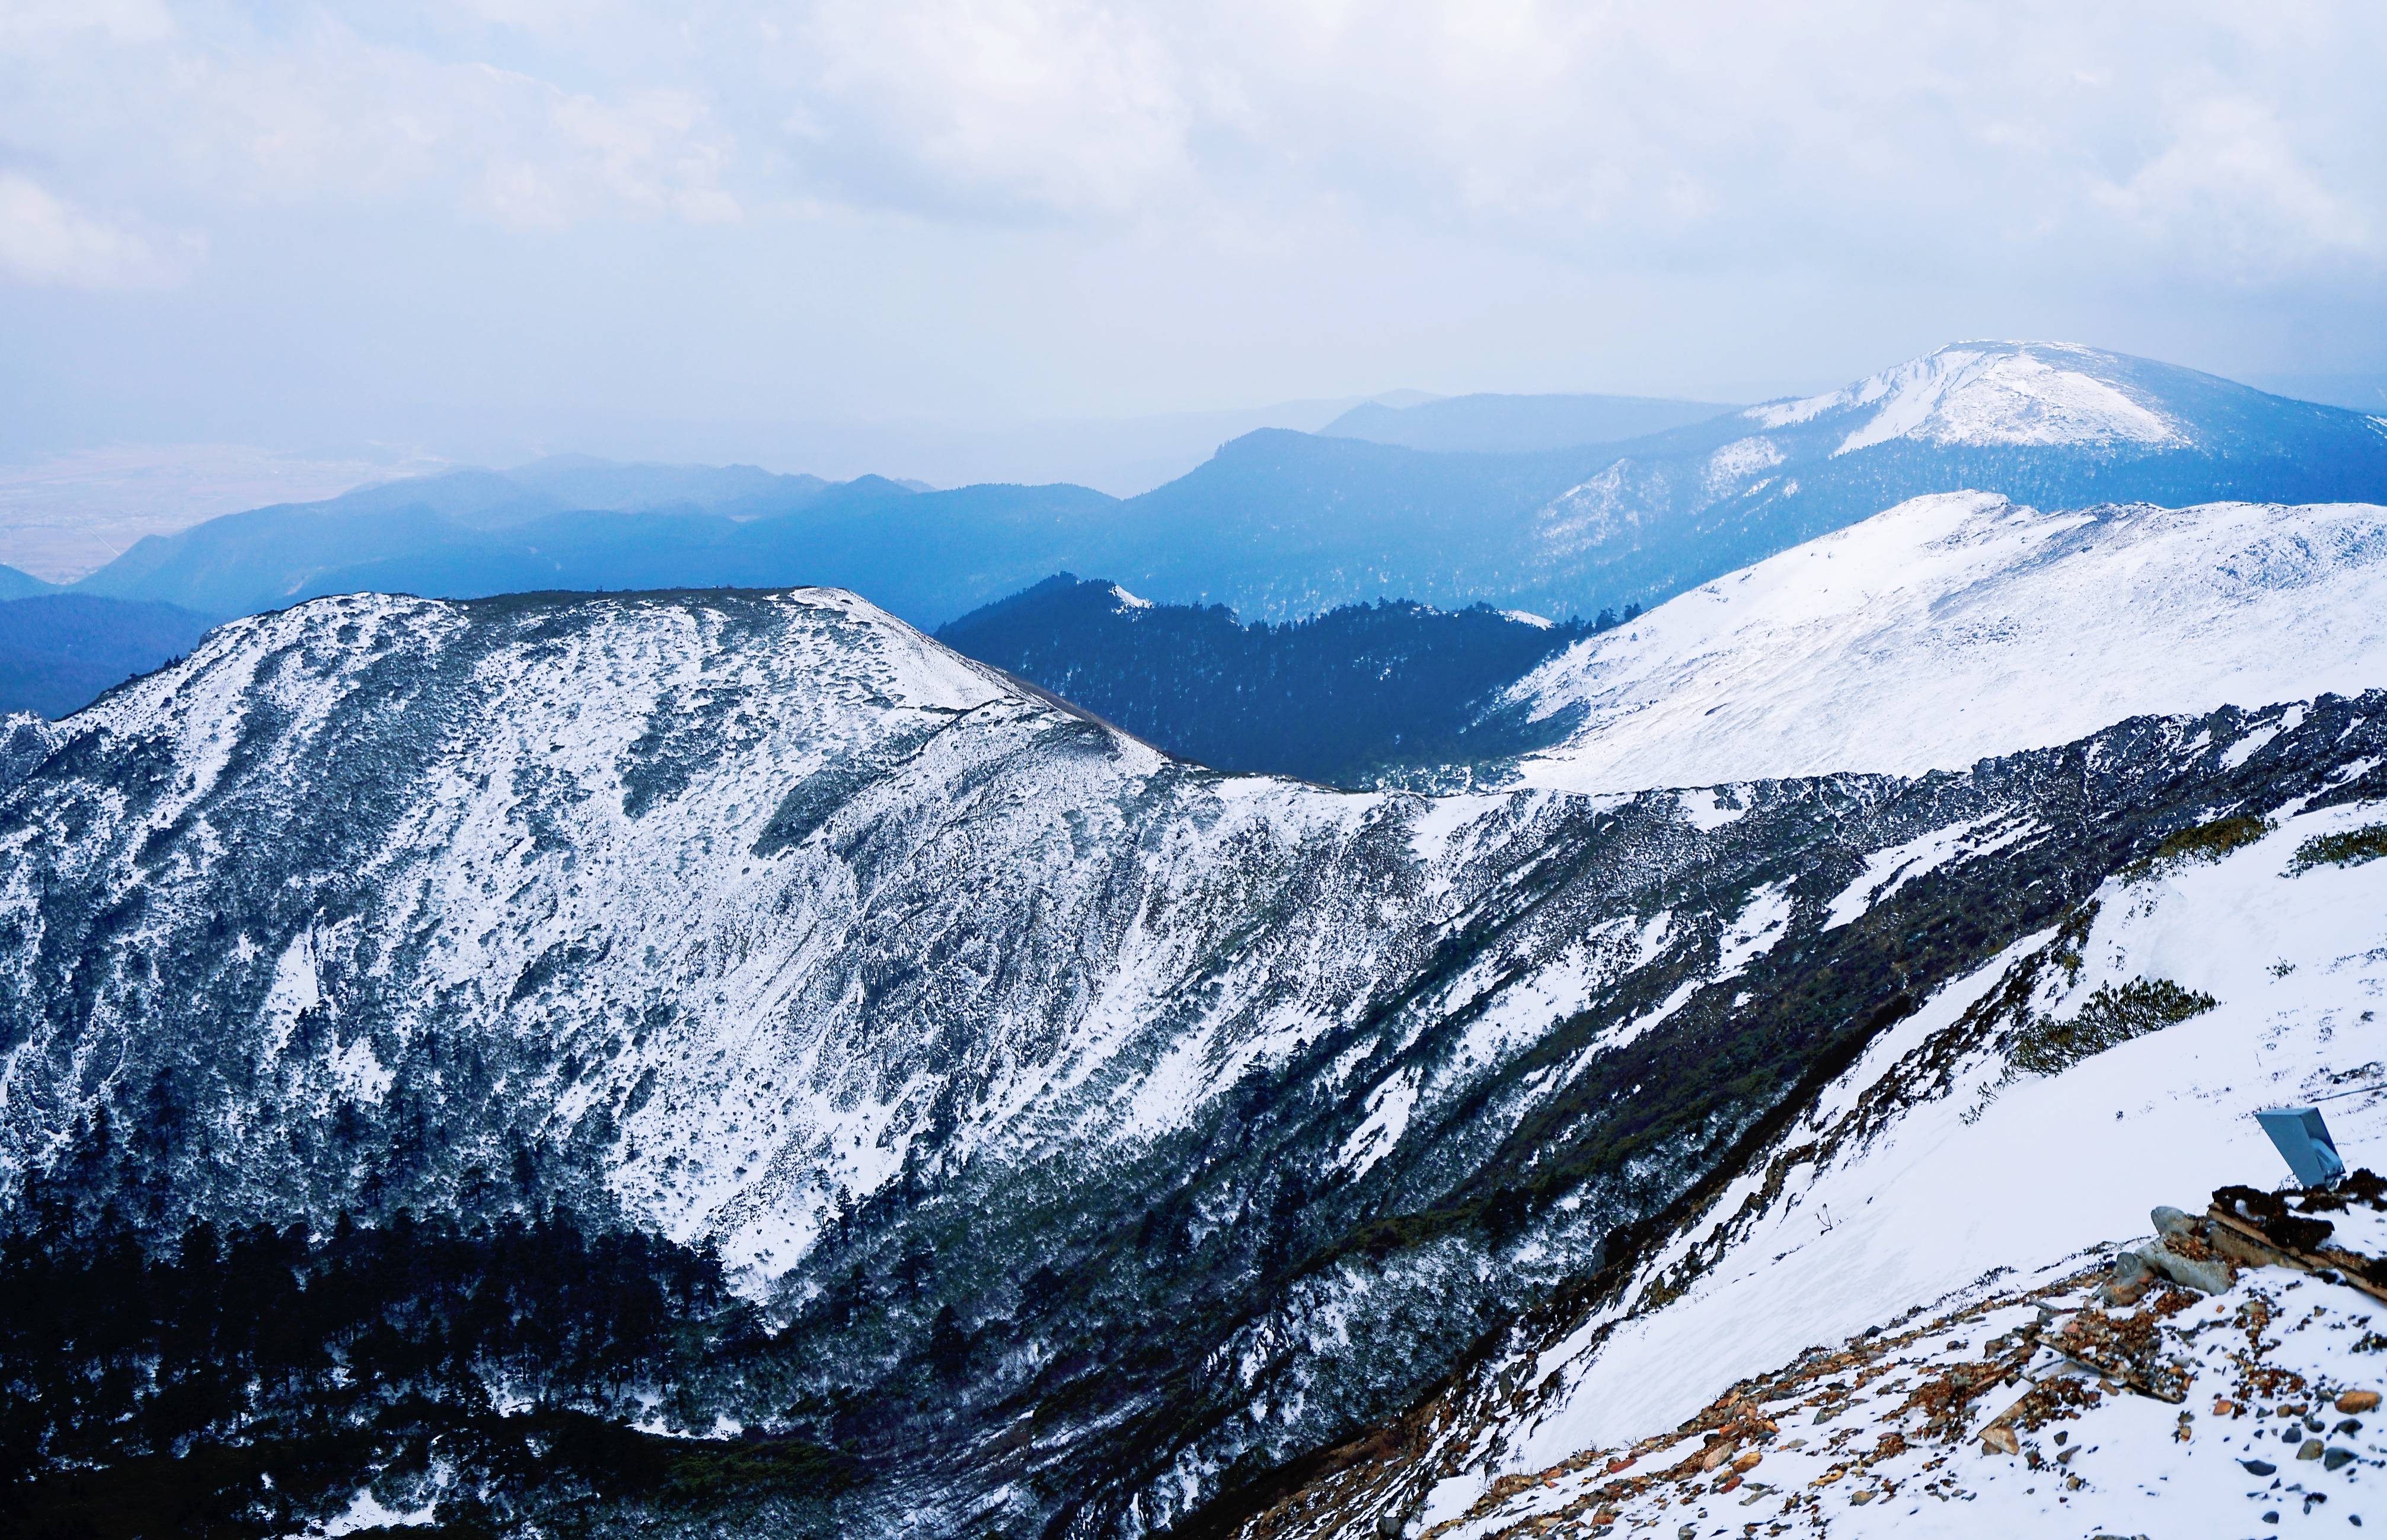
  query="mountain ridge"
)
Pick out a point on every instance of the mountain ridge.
point(1280, 525)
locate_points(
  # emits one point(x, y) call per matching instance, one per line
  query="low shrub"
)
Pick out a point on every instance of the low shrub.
point(2202, 842)
point(2351, 847)
point(2110, 1017)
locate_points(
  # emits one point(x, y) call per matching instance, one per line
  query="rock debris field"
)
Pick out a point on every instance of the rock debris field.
point(2222, 1378)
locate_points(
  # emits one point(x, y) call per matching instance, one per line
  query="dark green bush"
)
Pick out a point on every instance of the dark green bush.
point(2208, 842)
point(2110, 1018)
point(2350, 849)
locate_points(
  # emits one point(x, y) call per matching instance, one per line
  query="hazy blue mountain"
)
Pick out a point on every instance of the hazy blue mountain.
point(2362, 392)
point(473, 533)
point(21, 585)
point(583, 481)
point(59, 651)
point(1352, 697)
point(1517, 425)
point(1279, 525)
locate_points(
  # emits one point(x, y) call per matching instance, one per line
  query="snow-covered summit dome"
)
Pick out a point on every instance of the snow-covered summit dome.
point(1995, 393)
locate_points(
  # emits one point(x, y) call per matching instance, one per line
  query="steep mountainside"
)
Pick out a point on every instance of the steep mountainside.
point(57, 652)
point(1280, 524)
point(1355, 696)
point(1517, 424)
point(1957, 626)
point(1941, 1218)
point(1088, 1136)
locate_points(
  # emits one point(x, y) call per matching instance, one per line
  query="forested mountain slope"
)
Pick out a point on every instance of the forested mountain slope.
point(1358, 695)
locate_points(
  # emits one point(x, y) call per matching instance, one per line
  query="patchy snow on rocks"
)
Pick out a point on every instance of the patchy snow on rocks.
point(1949, 1212)
point(1962, 626)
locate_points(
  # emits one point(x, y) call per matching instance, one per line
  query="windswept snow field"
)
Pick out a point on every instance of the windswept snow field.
point(1959, 626)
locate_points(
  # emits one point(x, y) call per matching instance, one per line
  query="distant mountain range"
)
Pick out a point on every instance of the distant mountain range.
point(1279, 525)
point(1517, 424)
point(1357, 696)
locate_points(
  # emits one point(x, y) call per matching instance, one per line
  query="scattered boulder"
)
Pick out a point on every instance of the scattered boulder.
point(2336, 1459)
point(2359, 1401)
point(2310, 1450)
point(2189, 1263)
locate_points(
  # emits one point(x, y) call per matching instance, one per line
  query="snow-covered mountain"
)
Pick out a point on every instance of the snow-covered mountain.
point(1983, 393)
point(2050, 424)
point(1097, 1136)
point(1963, 626)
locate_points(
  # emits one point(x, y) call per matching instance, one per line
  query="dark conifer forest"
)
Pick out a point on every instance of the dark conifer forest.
point(1351, 697)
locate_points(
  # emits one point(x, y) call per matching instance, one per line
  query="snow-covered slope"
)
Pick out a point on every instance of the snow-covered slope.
point(1977, 1159)
point(1963, 626)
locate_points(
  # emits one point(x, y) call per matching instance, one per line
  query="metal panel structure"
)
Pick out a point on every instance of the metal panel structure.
point(2303, 1142)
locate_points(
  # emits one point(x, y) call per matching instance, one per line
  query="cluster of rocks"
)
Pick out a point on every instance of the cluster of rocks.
point(2006, 1401)
point(2184, 1251)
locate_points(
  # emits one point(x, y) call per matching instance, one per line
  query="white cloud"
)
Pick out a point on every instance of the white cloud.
point(46, 241)
point(121, 21)
point(989, 106)
point(2231, 187)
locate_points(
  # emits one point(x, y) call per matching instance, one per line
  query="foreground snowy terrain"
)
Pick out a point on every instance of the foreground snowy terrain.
point(1959, 627)
point(1945, 1194)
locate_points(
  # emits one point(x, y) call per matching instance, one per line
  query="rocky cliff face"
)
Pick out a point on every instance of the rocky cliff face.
point(1097, 1134)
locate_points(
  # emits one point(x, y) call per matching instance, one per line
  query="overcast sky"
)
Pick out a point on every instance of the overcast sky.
point(444, 226)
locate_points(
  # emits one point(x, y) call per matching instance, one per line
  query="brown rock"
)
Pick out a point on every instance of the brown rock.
point(1747, 1462)
point(2000, 1440)
point(2359, 1401)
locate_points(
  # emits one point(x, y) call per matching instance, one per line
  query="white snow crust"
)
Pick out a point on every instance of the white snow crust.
point(2018, 393)
point(1962, 626)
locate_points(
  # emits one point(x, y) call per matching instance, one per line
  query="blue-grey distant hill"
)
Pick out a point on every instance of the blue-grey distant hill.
point(1517, 425)
point(60, 652)
point(1280, 524)
point(21, 584)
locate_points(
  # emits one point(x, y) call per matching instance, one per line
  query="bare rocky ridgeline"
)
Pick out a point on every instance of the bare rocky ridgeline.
point(2109, 1391)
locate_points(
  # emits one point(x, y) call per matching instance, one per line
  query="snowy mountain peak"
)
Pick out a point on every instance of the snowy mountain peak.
point(1996, 393)
point(1963, 624)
